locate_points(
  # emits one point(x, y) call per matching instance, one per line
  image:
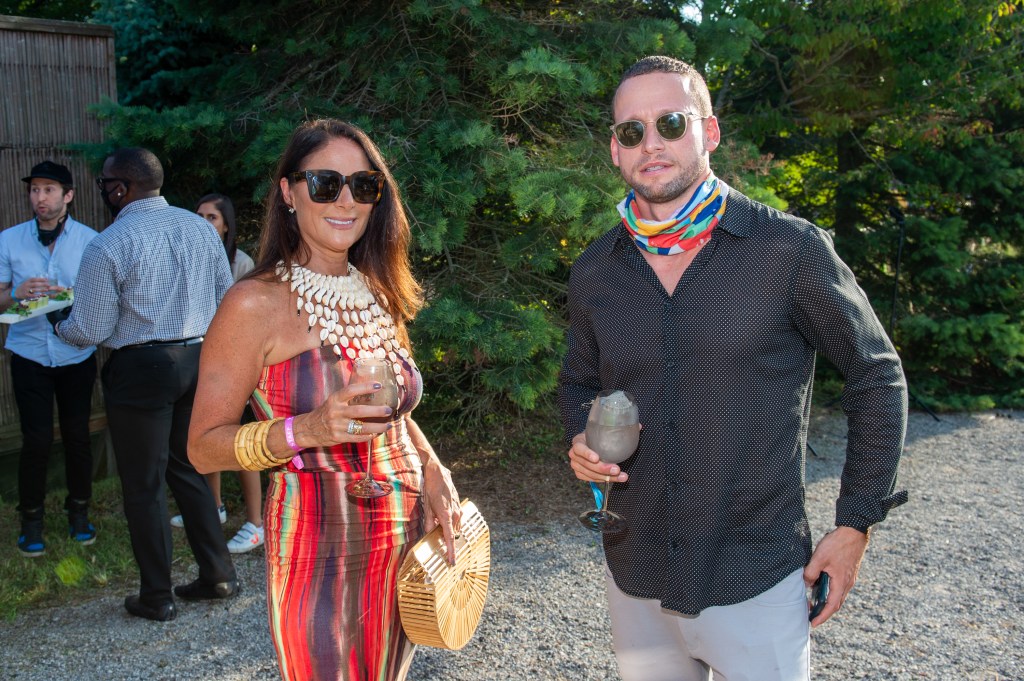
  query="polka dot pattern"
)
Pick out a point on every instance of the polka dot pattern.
point(722, 371)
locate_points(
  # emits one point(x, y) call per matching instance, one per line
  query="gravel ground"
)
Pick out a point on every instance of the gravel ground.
point(939, 593)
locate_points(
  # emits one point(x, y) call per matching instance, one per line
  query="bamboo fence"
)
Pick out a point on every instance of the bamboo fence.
point(51, 72)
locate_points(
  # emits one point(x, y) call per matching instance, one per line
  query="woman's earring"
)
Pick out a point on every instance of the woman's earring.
point(291, 209)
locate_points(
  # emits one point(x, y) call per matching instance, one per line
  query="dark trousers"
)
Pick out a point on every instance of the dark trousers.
point(35, 387)
point(149, 394)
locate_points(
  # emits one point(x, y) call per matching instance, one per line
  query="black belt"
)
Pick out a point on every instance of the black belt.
point(184, 342)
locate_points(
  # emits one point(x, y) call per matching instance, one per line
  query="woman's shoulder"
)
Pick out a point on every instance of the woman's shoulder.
point(257, 299)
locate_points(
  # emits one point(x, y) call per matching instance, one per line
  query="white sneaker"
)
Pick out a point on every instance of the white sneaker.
point(249, 537)
point(178, 521)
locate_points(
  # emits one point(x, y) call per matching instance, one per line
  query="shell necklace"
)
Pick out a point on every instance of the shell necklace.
point(349, 317)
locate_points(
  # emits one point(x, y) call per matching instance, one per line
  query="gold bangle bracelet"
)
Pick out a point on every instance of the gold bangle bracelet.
point(242, 438)
point(251, 450)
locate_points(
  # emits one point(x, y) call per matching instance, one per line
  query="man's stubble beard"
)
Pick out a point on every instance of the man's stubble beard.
point(677, 186)
point(48, 215)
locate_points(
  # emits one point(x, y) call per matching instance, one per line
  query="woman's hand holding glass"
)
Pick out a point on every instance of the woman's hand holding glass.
point(380, 372)
point(331, 422)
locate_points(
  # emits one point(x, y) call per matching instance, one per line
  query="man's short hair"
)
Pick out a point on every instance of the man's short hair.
point(662, 64)
point(139, 166)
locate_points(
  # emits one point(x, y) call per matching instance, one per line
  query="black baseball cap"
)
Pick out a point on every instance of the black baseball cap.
point(48, 170)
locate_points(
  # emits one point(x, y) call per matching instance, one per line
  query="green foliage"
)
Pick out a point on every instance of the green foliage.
point(493, 116)
point(64, 10)
point(879, 110)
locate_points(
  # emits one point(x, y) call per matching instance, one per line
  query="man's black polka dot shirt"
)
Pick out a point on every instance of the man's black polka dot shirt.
point(722, 371)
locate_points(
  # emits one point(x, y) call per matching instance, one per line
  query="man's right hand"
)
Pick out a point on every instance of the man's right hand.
point(588, 465)
point(34, 287)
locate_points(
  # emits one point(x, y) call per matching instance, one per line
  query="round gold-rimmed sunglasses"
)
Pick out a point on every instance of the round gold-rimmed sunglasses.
point(670, 126)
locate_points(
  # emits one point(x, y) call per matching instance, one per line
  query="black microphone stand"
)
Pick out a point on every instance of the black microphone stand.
point(897, 215)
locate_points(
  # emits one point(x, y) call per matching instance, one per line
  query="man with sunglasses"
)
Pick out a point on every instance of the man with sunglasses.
point(41, 258)
point(148, 288)
point(709, 307)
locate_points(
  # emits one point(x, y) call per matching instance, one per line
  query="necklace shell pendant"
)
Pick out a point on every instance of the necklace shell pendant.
point(346, 315)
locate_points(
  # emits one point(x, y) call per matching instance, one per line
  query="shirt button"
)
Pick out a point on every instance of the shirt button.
point(670, 365)
point(671, 425)
point(674, 545)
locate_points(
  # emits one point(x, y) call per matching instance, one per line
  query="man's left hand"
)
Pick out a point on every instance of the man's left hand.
point(57, 316)
point(839, 553)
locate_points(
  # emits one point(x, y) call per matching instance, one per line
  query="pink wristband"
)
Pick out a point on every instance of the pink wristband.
point(289, 436)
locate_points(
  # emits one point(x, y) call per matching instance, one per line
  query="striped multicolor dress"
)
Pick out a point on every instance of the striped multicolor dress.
point(332, 560)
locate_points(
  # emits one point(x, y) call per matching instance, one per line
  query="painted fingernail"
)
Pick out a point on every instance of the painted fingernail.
point(389, 411)
point(377, 386)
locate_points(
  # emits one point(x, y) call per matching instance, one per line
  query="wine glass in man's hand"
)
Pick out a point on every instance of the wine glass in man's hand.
point(613, 432)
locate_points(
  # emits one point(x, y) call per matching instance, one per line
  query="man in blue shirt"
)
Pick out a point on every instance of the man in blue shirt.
point(41, 257)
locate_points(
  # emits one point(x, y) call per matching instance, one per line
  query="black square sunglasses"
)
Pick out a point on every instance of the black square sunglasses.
point(325, 185)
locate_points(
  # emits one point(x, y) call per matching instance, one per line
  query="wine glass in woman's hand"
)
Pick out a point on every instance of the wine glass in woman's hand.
point(370, 370)
point(613, 432)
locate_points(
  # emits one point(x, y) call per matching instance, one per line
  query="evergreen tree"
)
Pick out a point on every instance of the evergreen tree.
point(883, 112)
point(63, 10)
point(494, 117)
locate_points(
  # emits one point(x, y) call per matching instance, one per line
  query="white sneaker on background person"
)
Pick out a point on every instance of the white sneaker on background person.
point(248, 537)
point(178, 521)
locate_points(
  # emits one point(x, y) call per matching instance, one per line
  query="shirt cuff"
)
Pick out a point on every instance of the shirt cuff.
point(861, 512)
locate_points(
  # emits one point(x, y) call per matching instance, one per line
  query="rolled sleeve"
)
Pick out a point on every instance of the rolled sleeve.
point(6, 272)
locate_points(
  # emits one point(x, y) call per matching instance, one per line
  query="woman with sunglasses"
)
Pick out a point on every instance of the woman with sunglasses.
point(332, 283)
point(219, 211)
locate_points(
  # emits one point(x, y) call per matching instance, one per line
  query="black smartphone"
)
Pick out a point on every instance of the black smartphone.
point(819, 594)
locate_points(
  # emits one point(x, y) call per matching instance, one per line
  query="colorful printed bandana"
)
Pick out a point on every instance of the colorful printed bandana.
point(689, 228)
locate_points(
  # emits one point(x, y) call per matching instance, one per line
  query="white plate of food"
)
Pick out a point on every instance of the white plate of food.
point(27, 309)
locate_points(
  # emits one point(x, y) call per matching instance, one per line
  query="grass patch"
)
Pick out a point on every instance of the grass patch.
point(69, 572)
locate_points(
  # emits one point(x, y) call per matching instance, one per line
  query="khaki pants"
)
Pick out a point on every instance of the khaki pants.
point(766, 638)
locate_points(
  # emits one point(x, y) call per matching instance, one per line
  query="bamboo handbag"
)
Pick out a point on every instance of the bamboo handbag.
point(441, 604)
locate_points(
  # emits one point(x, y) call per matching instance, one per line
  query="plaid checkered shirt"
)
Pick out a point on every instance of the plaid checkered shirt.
point(156, 273)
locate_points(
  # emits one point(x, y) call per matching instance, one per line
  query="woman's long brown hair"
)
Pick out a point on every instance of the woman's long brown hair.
point(381, 254)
